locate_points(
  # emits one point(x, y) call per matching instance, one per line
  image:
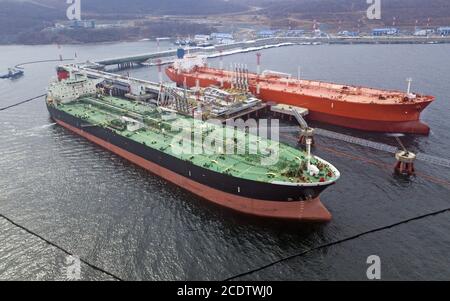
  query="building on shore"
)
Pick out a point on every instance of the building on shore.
point(223, 38)
point(385, 31)
point(202, 38)
point(444, 31)
point(423, 32)
point(264, 34)
point(295, 33)
point(82, 24)
point(346, 33)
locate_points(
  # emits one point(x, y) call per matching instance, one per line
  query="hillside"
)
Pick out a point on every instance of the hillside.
point(158, 7)
point(149, 7)
point(24, 21)
point(20, 17)
point(353, 12)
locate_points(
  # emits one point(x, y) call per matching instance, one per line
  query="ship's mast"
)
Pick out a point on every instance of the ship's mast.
point(409, 81)
point(408, 92)
point(258, 63)
point(308, 154)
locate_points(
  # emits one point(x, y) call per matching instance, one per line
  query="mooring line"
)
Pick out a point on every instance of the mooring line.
point(22, 102)
point(435, 180)
point(60, 248)
point(350, 156)
point(323, 246)
point(443, 162)
point(19, 66)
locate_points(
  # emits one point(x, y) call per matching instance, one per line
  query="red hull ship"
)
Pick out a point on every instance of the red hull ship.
point(343, 105)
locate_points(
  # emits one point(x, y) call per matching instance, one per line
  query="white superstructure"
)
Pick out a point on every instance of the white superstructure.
point(76, 86)
point(188, 63)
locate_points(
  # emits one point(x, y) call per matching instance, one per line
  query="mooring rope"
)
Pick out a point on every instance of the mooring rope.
point(380, 164)
point(60, 248)
point(327, 245)
point(19, 66)
point(22, 102)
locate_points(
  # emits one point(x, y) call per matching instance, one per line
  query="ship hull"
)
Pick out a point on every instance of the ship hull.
point(388, 118)
point(407, 127)
point(248, 197)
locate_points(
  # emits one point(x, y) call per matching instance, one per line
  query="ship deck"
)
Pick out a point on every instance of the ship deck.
point(163, 134)
point(319, 89)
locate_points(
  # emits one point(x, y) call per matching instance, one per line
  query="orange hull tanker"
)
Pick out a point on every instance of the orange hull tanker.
point(343, 105)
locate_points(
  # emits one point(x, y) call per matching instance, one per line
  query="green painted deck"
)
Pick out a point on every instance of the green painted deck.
point(163, 135)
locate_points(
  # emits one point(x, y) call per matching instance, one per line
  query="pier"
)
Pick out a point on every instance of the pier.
point(168, 56)
point(160, 93)
point(254, 111)
point(128, 61)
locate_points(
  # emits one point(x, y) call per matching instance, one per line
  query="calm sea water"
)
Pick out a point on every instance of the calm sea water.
point(137, 226)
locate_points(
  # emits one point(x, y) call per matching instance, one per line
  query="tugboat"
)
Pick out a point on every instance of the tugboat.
point(12, 73)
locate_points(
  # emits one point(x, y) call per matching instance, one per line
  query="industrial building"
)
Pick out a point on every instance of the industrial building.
point(346, 33)
point(385, 31)
point(83, 24)
point(223, 38)
point(444, 31)
point(266, 34)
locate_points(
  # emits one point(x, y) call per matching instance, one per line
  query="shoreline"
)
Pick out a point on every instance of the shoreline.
point(367, 40)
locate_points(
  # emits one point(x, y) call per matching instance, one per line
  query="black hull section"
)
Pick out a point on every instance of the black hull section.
point(232, 185)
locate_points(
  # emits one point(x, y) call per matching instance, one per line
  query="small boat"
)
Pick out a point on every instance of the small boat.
point(12, 73)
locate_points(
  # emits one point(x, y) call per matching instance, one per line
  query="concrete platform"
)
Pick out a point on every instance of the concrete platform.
point(288, 110)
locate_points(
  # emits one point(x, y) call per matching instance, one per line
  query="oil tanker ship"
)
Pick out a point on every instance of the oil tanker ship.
point(343, 105)
point(147, 135)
